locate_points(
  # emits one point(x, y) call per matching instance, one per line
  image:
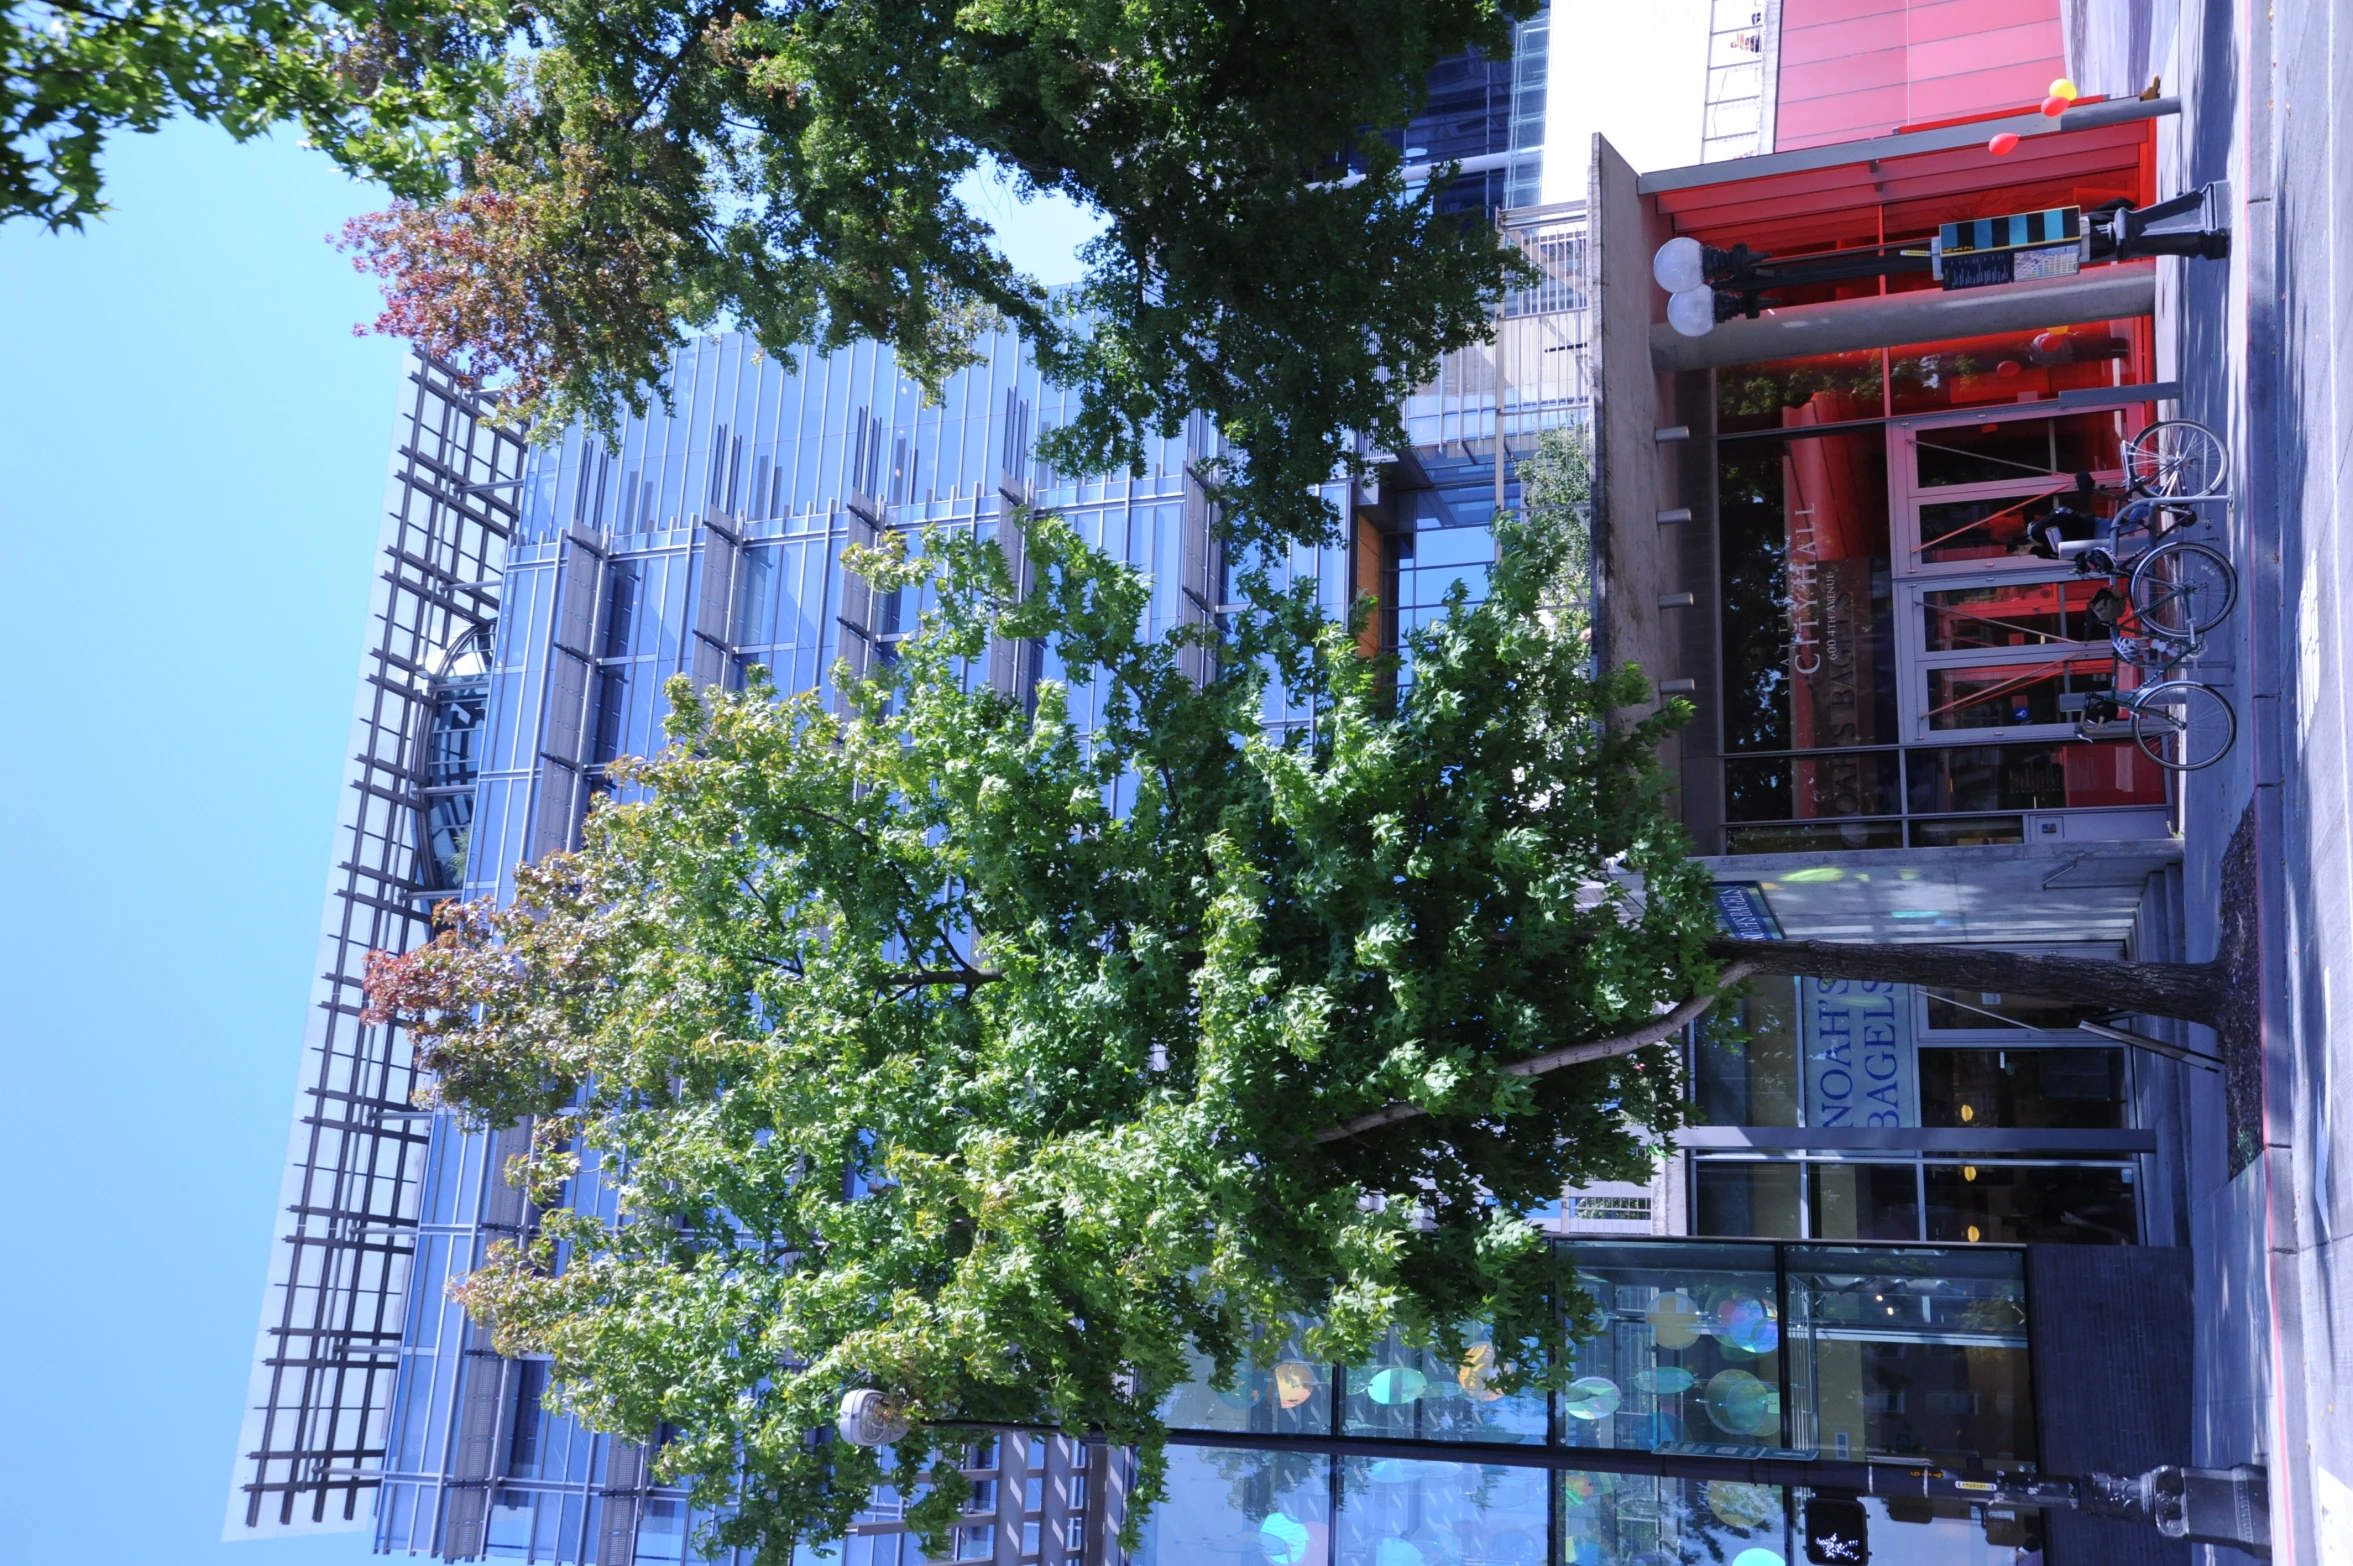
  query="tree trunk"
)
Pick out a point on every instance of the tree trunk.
point(2191, 992)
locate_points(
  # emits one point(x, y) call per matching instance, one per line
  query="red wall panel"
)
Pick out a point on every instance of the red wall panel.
point(1855, 68)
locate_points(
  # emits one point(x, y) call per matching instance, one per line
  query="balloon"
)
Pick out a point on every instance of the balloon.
point(2054, 105)
point(2006, 369)
point(2002, 146)
point(2063, 88)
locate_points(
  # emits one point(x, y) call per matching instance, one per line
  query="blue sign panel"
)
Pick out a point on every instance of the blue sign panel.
point(1745, 914)
point(1860, 1065)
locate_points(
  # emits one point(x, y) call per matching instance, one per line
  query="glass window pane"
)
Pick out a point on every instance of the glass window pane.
point(1912, 1353)
point(1689, 1348)
point(1997, 696)
point(1278, 1392)
point(2039, 1089)
point(1865, 1201)
point(1396, 1512)
point(2063, 1205)
point(1744, 1064)
point(1412, 1392)
point(2011, 614)
point(1241, 1508)
point(1736, 1197)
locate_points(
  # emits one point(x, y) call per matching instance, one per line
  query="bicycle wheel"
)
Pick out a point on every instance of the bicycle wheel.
point(2182, 725)
point(2178, 458)
point(2181, 589)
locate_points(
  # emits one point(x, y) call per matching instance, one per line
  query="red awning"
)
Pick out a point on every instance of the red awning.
point(1900, 197)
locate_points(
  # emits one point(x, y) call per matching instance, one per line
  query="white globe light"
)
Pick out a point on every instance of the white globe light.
point(1693, 311)
point(1680, 266)
point(867, 1419)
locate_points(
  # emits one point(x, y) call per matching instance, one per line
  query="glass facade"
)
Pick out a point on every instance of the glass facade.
point(333, 1329)
point(1825, 1055)
point(705, 542)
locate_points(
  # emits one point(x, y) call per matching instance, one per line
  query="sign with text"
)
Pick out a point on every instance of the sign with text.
point(1861, 1069)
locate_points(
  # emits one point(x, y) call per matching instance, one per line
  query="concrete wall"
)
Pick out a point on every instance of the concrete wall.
point(1645, 564)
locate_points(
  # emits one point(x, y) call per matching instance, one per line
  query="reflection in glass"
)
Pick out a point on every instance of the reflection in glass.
point(2013, 450)
point(1228, 1507)
point(1803, 534)
point(2044, 776)
point(1992, 529)
point(1823, 389)
point(1992, 696)
point(1794, 838)
point(2041, 1203)
point(1690, 1342)
point(1625, 1520)
point(1850, 1201)
point(1912, 1353)
point(1843, 783)
point(2039, 1089)
point(1276, 1391)
point(2011, 367)
point(1398, 1512)
point(1412, 1392)
point(1744, 1062)
point(2011, 614)
point(1736, 1197)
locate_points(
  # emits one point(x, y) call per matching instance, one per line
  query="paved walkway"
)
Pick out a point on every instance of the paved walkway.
point(2264, 350)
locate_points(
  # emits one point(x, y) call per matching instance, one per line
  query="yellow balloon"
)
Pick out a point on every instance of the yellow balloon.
point(2063, 88)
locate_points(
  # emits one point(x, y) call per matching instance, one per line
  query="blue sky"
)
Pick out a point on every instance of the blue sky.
point(193, 446)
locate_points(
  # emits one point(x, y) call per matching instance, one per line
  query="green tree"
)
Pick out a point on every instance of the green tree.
point(921, 1067)
point(387, 88)
point(582, 183)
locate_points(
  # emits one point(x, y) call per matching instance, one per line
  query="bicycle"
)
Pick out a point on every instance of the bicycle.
point(2177, 589)
point(2178, 459)
point(2188, 711)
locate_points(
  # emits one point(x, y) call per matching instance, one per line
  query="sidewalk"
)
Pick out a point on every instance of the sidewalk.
point(2263, 348)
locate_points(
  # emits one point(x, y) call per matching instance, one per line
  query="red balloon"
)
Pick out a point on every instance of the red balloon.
point(2054, 106)
point(2002, 145)
point(2006, 369)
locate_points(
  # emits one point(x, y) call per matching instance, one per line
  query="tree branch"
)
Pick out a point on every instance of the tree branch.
point(1651, 1032)
point(2191, 992)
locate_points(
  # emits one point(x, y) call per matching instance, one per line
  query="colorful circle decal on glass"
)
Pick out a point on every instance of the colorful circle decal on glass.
point(1294, 1382)
point(1397, 1386)
point(1590, 1397)
point(1746, 1323)
point(1758, 1557)
point(1741, 1505)
point(1674, 1321)
point(1477, 1374)
point(1664, 1380)
point(1397, 1552)
point(1739, 1404)
point(1284, 1539)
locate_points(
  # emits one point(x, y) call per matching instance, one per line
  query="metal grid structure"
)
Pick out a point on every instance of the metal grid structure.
point(332, 1312)
point(1744, 63)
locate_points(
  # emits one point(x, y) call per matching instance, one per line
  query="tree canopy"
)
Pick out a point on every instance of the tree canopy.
point(959, 1049)
point(582, 183)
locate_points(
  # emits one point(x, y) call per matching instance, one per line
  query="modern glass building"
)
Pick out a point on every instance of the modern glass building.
point(1866, 1244)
